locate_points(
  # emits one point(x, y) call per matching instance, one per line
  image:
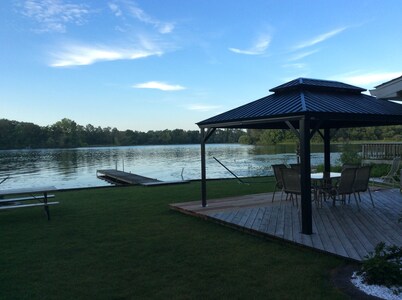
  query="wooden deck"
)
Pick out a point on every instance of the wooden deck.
point(342, 230)
point(381, 152)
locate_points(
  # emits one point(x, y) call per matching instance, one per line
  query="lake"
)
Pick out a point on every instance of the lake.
point(75, 168)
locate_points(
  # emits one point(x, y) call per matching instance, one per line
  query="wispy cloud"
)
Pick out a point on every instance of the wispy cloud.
point(118, 7)
point(54, 15)
point(79, 55)
point(320, 38)
point(115, 9)
point(299, 56)
point(158, 86)
point(367, 79)
point(202, 107)
point(259, 47)
point(295, 66)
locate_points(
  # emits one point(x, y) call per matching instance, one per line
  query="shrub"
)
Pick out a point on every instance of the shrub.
point(350, 157)
point(245, 140)
point(384, 266)
point(378, 170)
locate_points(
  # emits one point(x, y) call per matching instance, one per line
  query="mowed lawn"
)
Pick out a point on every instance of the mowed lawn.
point(125, 243)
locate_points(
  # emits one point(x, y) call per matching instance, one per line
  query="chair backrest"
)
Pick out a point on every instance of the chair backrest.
point(395, 166)
point(362, 179)
point(345, 185)
point(291, 180)
point(295, 167)
point(345, 166)
point(278, 174)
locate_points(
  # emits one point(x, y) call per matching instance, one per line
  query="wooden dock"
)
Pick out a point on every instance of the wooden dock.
point(121, 177)
point(342, 230)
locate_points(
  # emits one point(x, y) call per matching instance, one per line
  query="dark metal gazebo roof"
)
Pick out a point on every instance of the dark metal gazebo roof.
point(334, 104)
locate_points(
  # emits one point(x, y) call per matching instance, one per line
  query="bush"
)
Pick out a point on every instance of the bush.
point(350, 157)
point(245, 140)
point(378, 170)
point(384, 266)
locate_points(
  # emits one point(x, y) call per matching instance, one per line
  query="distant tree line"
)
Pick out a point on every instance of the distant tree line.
point(275, 136)
point(68, 134)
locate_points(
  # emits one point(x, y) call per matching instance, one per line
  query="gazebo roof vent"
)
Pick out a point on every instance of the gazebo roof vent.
point(316, 85)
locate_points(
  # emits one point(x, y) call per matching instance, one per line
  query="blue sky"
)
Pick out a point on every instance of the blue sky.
point(166, 64)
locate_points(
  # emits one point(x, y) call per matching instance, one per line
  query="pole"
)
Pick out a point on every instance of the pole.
point(228, 170)
point(203, 171)
point(327, 150)
point(305, 176)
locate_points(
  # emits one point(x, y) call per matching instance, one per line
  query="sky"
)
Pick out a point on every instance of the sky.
point(166, 64)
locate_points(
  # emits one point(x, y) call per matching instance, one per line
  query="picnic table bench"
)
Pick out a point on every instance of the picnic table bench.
point(40, 194)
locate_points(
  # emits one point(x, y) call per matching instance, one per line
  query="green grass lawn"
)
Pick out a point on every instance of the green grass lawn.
point(125, 243)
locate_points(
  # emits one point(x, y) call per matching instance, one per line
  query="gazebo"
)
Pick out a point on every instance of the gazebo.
point(305, 106)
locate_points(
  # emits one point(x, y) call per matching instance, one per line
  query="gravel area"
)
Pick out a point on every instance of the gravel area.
point(376, 290)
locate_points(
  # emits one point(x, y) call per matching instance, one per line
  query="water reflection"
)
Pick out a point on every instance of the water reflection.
point(67, 168)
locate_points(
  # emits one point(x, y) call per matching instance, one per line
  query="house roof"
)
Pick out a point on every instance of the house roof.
point(329, 104)
point(390, 81)
point(390, 90)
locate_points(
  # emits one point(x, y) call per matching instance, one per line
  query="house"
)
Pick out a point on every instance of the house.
point(390, 90)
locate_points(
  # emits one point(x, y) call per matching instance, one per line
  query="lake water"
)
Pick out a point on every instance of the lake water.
point(73, 168)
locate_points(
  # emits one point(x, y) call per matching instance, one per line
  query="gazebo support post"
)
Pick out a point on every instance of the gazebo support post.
point(203, 171)
point(204, 137)
point(305, 176)
point(327, 150)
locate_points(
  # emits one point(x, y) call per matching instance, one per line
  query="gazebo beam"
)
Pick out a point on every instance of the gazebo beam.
point(294, 130)
point(327, 150)
point(326, 137)
point(315, 129)
point(205, 135)
point(208, 134)
point(305, 176)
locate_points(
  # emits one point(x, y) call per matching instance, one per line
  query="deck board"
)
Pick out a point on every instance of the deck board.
point(343, 230)
point(266, 217)
point(258, 218)
point(251, 218)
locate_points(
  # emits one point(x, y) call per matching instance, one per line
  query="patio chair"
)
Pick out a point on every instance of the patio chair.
point(278, 178)
point(361, 182)
point(291, 184)
point(295, 167)
point(344, 187)
point(345, 166)
point(393, 171)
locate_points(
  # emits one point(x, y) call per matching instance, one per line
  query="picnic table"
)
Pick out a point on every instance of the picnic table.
point(15, 198)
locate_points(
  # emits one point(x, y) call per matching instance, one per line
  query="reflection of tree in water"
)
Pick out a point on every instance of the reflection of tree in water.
point(273, 149)
point(77, 167)
point(67, 161)
point(72, 161)
point(20, 162)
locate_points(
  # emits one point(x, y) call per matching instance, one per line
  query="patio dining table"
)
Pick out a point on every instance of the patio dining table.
point(320, 176)
point(321, 183)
